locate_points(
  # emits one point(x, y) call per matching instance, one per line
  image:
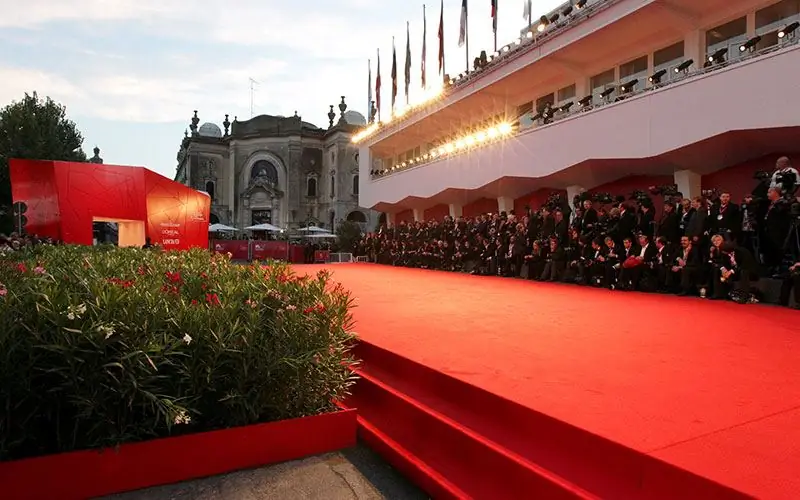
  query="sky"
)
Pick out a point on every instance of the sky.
point(131, 72)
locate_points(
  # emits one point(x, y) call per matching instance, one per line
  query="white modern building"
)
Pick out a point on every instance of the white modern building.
point(591, 94)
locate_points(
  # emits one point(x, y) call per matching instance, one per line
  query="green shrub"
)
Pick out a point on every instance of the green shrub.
point(105, 346)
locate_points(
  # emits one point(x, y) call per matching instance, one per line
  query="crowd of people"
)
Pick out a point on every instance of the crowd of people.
point(707, 246)
point(16, 242)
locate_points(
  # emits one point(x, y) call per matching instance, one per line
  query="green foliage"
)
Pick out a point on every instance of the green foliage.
point(105, 346)
point(34, 129)
point(348, 234)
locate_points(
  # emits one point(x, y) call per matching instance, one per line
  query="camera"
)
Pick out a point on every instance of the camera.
point(602, 198)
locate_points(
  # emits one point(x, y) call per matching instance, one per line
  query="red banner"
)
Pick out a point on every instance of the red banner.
point(274, 250)
point(322, 256)
point(237, 248)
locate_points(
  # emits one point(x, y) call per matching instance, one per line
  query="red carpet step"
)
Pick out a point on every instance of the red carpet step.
point(458, 441)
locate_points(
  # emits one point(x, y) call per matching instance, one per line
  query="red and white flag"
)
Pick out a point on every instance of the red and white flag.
point(441, 41)
point(424, 45)
point(462, 31)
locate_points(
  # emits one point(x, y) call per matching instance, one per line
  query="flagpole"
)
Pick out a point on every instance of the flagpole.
point(441, 42)
point(424, 47)
point(466, 32)
point(377, 87)
point(494, 24)
point(530, 13)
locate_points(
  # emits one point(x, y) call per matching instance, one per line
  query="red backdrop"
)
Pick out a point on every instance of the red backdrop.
point(63, 199)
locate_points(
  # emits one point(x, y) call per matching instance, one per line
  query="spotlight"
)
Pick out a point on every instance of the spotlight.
point(788, 29)
point(566, 107)
point(529, 34)
point(628, 86)
point(567, 11)
point(657, 76)
point(505, 128)
point(586, 101)
point(543, 22)
point(580, 4)
point(718, 56)
point(750, 44)
point(537, 117)
point(607, 92)
point(554, 18)
point(684, 66)
point(506, 48)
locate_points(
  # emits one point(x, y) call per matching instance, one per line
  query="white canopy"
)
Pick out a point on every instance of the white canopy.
point(313, 229)
point(263, 227)
point(214, 228)
point(320, 235)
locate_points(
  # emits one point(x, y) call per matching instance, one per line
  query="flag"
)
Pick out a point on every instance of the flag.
point(378, 86)
point(462, 31)
point(394, 75)
point(494, 17)
point(369, 92)
point(526, 10)
point(441, 41)
point(424, 44)
point(408, 61)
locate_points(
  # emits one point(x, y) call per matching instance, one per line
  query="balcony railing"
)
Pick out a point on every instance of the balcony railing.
point(572, 108)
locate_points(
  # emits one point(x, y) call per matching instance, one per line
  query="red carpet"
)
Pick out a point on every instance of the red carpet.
point(478, 387)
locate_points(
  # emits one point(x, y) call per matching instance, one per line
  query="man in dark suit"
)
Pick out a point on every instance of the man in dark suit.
point(696, 226)
point(627, 221)
point(791, 282)
point(775, 228)
point(726, 218)
point(738, 271)
point(686, 267)
point(669, 224)
point(632, 273)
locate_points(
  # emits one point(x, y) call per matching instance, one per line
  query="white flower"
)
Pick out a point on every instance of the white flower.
point(182, 418)
point(74, 312)
point(187, 339)
point(106, 330)
point(290, 307)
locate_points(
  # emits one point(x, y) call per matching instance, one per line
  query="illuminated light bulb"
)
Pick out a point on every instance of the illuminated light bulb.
point(529, 34)
point(450, 148)
point(504, 128)
point(442, 151)
point(459, 144)
point(411, 161)
point(433, 153)
point(540, 28)
point(480, 136)
point(470, 140)
point(492, 133)
point(403, 165)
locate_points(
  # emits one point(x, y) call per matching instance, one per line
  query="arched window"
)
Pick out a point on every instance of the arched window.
point(333, 184)
point(264, 170)
point(355, 184)
point(210, 189)
point(357, 216)
point(311, 187)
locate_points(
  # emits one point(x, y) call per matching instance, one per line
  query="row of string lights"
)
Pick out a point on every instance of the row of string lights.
point(536, 32)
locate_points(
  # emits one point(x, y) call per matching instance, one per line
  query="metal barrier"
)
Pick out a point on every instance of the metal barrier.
point(362, 258)
point(338, 258)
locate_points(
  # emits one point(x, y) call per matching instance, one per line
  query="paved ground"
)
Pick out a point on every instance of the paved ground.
point(357, 473)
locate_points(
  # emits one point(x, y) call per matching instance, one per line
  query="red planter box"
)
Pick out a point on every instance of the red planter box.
point(86, 474)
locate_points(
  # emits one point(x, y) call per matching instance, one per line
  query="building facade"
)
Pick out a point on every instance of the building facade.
point(278, 170)
point(593, 93)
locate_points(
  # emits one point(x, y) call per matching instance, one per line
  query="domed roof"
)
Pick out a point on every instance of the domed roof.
point(210, 130)
point(354, 118)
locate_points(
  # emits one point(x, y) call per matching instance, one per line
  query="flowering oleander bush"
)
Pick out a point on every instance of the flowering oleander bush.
point(105, 346)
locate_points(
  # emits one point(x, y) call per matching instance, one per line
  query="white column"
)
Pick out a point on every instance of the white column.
point(572, 191)
point(505, 204)
point(390, 219)
point(456, 210)
point(419, 215)
point(581, 90)
point(694, 48)
point(689, 183)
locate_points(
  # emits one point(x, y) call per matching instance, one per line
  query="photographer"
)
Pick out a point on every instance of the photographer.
point(669, 224)
point(696, 226)
point(775, 228)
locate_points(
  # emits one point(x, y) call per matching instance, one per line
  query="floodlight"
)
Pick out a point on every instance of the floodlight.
point(718, 56)
point(657, 76)
point(750, 44)
point(788, 29)
point(684, 66)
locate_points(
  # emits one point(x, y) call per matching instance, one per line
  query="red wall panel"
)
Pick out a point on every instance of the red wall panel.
point(406, 216)
point(63, 199)
point(437, 212)
point(478, 207)
point(738, 179)
point(535, 199)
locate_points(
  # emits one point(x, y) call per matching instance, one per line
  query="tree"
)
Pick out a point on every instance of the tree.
point(348, 233)
point(34, 129)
